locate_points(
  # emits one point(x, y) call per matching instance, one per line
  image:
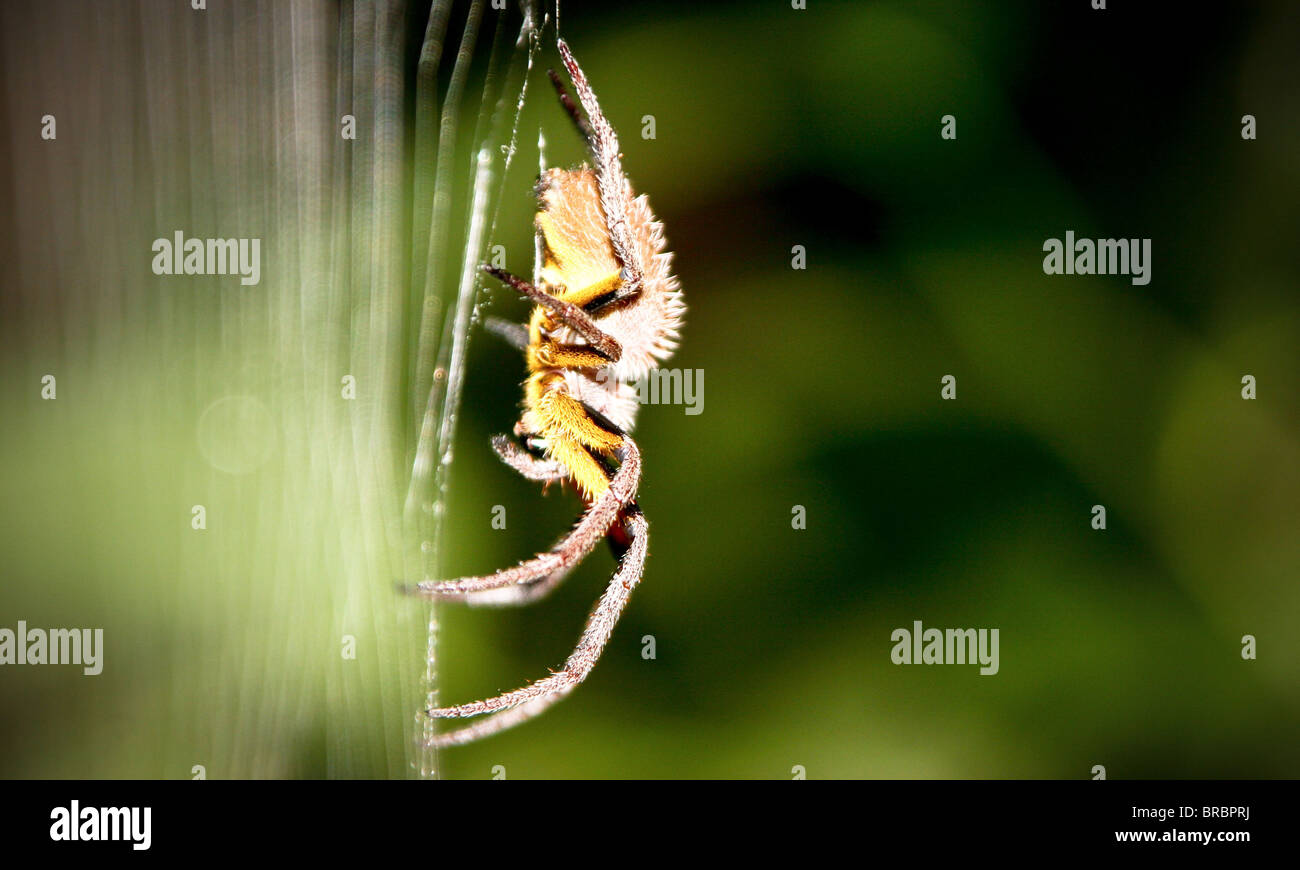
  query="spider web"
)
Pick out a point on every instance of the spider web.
point(454, 295)
point(373, 195)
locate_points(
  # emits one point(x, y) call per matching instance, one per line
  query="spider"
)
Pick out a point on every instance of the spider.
point(607, 309)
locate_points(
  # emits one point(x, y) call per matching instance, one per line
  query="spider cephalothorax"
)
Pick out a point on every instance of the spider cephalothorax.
point(607, 310)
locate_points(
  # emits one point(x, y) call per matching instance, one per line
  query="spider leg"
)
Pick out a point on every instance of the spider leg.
point(551, 354)
point(569, 314)
point(514, 334)
point(532, 468)
point(540, 469)
point(565, 100)
point(511, 596)
point(609, 177)
point(514, 707)
point(517, 596)
point(569, 551)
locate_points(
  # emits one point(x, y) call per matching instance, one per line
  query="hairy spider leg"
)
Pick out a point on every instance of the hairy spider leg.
point(511, 596)
point(549, 354)
point(566, 312)
point(609, 178)
point(584, 129)
point(529, 466)
point(601, 513)
point(513, 334)
point(619, 538)
point(512, 708)
point(547, 471)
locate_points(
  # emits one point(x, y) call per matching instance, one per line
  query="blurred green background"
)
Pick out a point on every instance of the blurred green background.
point(774, 127)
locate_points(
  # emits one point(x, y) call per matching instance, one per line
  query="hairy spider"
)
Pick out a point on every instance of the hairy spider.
point(607, 310)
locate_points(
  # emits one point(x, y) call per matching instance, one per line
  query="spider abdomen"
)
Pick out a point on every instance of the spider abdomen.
point(578, 253)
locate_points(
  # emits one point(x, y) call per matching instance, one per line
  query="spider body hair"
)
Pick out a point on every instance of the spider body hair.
point(579, 266)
